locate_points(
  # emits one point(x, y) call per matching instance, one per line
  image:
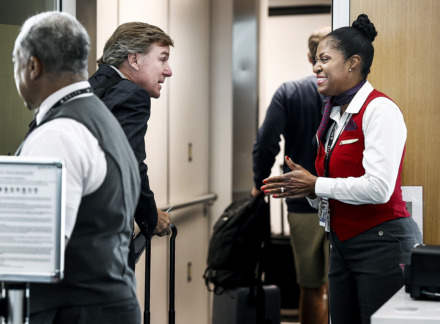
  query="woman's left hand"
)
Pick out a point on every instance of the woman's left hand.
point(295, 184)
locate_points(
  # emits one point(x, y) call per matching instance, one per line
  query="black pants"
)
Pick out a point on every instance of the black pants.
point(365, 270)
point(126, 312)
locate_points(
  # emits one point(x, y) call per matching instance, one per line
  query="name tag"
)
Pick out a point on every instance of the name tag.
point(324, 214)
point(349, 141)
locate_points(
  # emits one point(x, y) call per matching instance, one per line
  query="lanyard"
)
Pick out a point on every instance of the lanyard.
point(329, 150)
point(72, 95)
point(67, 97)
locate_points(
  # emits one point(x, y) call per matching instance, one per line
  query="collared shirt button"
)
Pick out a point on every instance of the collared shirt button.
point(380, 233)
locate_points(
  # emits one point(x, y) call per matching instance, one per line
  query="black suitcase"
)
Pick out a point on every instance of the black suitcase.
point(240, 306)
point(280, 270)
point(141, 242)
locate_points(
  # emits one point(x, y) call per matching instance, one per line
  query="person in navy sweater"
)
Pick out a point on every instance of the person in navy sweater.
point(357, 191)
point(295, 113)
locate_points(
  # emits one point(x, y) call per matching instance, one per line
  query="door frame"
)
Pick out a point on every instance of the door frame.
point(340, 13)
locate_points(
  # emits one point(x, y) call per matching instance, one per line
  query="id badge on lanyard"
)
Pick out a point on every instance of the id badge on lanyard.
point(324, 213)
point(323, 205)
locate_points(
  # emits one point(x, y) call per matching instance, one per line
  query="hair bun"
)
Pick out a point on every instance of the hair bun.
point(365, 26)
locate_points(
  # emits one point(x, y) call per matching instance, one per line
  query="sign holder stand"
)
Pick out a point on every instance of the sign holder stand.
point(32, 207)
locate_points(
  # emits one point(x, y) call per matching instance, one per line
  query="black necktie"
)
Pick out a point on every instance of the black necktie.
point(32, 125)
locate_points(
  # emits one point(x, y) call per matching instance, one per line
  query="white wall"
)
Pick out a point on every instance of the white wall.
point(69, 6)
point(283, 57)
point(286, 49)
point(221, 104)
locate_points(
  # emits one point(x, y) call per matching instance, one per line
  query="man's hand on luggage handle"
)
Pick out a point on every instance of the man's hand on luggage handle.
point(163, 224)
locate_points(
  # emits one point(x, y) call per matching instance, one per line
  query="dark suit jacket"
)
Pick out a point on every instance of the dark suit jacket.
point(130, 104)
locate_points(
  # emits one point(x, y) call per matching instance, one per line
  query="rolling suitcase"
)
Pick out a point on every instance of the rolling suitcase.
point(141, 242)
point(242, 306)
point(280, 270)
point(235, 265)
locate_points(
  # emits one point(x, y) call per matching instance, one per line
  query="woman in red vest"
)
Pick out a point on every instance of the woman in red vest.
point(361, 145)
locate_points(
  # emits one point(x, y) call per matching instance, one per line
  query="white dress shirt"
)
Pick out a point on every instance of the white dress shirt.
point(119, 72)
point(71, 141)
point(385, 134)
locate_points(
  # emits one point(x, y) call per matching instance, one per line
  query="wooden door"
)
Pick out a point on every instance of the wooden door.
point(407, 58)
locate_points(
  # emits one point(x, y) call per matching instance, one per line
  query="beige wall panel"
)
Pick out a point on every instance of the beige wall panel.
point(405, 68)
point(191, 295)
point(189, 99)
point(107, 19)
point(189, 26)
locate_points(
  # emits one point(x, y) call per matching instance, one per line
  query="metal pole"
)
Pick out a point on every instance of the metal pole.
point(18, 303)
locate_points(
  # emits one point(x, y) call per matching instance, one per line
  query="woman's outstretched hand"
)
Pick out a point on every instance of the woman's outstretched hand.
point(296, 184)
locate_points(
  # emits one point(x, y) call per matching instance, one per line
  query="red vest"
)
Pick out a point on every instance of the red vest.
point(346, 161)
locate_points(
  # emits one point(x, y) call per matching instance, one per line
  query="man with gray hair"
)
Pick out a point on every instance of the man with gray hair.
point(131, 70)
point(103, 185)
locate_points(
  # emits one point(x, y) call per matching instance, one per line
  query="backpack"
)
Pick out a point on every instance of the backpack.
point(235, 247)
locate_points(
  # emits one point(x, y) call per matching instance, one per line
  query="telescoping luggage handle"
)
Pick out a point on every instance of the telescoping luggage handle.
point(171, 311)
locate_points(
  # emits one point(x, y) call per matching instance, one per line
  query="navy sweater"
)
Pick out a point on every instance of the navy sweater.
point(295, 113)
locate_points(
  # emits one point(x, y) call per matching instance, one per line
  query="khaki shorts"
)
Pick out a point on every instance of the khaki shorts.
point(310, 249)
